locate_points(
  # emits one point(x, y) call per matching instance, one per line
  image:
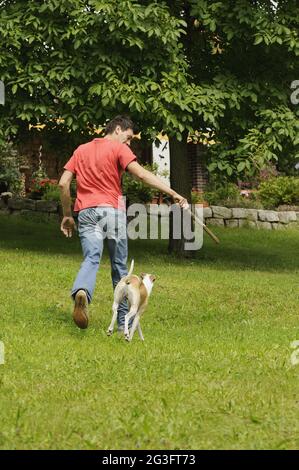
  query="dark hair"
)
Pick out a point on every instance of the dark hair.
point(123, 121)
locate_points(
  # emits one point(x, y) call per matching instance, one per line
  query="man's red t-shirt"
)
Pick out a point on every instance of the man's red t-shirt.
point(98, 166)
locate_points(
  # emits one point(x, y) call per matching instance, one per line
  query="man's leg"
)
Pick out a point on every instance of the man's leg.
point(92, 246)
point(118, 251)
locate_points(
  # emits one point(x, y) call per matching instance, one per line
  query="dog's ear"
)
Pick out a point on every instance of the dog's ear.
point(142, 275)
point(152, 278)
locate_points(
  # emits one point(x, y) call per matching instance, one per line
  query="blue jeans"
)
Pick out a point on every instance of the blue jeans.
point(94, 225)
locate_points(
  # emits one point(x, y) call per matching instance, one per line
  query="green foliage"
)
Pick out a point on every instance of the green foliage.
point(87, 60)
point(51, 193)
point(270, 194)
point(10, 175)
point(281, 190)
point(48, 190)
point(197, 197)
point(218, 67)
point(275, 133)
point(73, 188)
point(229, 195)
point(41, 186)
point(250, 51)
point(136, 191)
point(40, 175)
point(251, 202)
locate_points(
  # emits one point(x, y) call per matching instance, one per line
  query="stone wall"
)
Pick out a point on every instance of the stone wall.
point(254, 218)
point(29, 208)
point(214, 215)
point(238, 217)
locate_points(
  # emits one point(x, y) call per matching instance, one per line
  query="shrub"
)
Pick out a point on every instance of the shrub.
point(52, 193)
point(281, 190)
point(222, 195)
point(251, 201)
point(197, 197)
point(40, 186)
point(73, 189)
point(135, 190)
point(10, 176)
point(229, 195)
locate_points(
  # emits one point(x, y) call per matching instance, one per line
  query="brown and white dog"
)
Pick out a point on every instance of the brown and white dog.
point(137, 290)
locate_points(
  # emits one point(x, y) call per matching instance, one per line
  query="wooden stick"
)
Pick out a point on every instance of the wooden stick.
point(199, 222)
point(206, 229)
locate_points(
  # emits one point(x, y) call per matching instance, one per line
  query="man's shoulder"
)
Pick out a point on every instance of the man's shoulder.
point(99, 141)
point(86, 146)
point(118, 147)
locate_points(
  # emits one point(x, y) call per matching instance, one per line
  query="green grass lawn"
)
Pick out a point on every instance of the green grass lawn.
point(214, 370)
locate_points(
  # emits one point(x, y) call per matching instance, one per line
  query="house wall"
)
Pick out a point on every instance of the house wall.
point(197, 165)
point(36, 150)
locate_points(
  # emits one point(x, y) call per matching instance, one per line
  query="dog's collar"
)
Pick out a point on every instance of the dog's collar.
point(147, 284)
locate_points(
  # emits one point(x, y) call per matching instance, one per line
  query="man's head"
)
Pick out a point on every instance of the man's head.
point(120, 128)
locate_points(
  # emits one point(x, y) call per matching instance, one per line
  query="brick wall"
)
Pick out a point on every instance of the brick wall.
point(197, 165)
point(54, 164)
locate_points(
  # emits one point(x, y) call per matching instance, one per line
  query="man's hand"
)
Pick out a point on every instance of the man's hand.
point(67, 226)
point(183, 203)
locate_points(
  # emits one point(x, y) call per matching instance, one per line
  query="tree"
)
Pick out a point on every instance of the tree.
point(82, 61)
point(223, 67)
point(71, 65)
point(245, 53)
point(179, 65)
point(248, 50)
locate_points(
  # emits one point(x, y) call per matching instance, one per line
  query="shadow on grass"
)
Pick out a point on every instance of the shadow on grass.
point(21, 234)
point(238, 249)
point(60, 318)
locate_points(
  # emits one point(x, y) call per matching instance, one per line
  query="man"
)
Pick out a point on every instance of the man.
point(98, 167)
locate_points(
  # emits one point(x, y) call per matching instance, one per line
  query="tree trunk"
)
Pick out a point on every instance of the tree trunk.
point(180, 181)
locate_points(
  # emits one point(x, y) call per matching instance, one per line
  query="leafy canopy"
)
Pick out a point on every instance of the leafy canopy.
point(223, 67)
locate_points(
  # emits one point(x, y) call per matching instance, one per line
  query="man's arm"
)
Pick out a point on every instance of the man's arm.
point(68, 223)
point(152, 180)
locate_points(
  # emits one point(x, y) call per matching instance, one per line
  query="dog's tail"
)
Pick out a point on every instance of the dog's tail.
point(130, 272)
point(131, 268)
